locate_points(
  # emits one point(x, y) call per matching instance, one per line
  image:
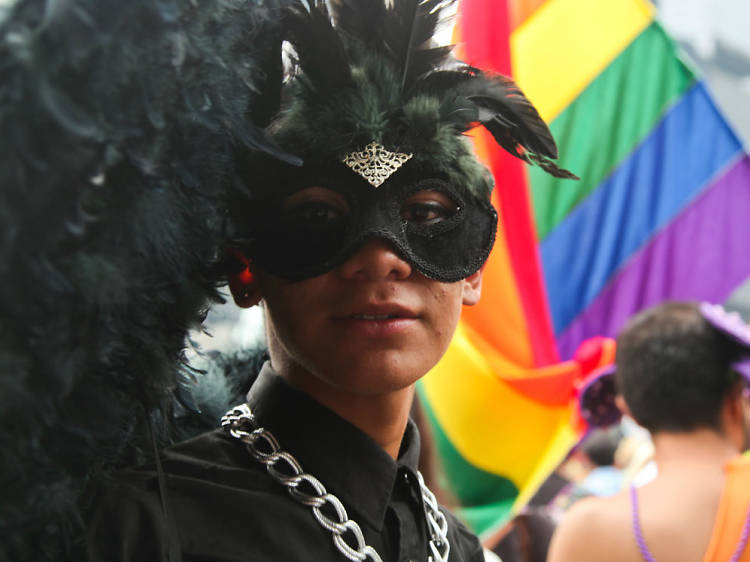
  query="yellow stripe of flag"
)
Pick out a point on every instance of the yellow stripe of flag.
point(487, 420)
point(562, 47)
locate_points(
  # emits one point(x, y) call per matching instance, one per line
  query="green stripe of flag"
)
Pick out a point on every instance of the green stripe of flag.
point(608, 120)
point(486, 497)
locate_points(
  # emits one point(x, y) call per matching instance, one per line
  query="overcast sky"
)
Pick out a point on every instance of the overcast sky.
point(703, 21)
point(699, 20)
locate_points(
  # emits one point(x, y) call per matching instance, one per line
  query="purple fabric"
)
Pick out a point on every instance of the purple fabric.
point(743, 539)
point(637, 531)
point(701, 255)
point(734, 327)
point(743, 367)
point(596, 400)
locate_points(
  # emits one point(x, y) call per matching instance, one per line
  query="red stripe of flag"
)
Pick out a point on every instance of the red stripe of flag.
point(485, 33)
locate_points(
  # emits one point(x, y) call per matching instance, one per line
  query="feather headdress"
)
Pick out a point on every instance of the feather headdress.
point(369, 71)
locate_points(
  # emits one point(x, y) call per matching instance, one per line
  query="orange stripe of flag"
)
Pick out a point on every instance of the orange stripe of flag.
point(486, 26)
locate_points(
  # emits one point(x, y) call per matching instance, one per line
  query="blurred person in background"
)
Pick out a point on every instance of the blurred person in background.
point(635, 454)
point(605, 478)
point(525, 538)
point(682, 371)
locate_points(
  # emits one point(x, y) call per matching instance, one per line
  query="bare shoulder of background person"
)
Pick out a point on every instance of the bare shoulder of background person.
point(594, 529)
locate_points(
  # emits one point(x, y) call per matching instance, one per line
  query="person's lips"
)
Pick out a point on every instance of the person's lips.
point(378, 319)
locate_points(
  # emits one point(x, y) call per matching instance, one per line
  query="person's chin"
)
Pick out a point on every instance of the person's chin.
point(372, 375)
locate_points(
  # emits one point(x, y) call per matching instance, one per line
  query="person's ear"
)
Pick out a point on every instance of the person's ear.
point(733, 417)
point(243, 284)
point(733, 405)
point(622, 405)
point(473, 287)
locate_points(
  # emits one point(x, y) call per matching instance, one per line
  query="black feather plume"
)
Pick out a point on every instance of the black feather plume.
point(401, 35)
point(410, 26)
point(119, 122)
point(361, 21)
point(503, 110)
point(500, 97)
point(320, 52)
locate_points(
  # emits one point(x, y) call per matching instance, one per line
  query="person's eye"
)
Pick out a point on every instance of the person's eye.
point(314, 213)
point(428, 207)
point(315, 207)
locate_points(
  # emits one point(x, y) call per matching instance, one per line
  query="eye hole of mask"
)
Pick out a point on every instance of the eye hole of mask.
point(428, 207)
point(315, 208)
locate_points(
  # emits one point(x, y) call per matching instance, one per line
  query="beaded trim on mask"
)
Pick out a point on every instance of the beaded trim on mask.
point(375, 163)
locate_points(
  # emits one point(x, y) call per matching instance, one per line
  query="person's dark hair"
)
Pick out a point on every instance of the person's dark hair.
point(673, 368)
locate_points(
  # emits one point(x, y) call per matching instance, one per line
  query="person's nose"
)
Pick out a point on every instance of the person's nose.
point(375, 260)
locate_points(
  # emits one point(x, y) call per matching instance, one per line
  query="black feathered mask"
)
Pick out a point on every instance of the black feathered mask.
point(378, 114)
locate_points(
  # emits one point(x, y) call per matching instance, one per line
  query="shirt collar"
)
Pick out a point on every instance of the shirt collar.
point(347, 461)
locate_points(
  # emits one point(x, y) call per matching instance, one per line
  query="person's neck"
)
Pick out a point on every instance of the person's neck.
point(699, 448)
point(383, 417)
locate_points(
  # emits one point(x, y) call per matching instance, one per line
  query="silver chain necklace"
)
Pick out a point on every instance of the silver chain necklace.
point(240, 423)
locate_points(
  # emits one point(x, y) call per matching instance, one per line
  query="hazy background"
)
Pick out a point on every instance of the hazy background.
point(715, 36)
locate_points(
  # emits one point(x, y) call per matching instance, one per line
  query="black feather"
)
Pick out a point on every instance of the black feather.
point(409, 28)
point(423, 60)
point(501, 97)
point(550, 167)
point(473, 97)
point(361, 21)
point(119, 124)
point(461, 113)
point(442, 82)
point(319, 48)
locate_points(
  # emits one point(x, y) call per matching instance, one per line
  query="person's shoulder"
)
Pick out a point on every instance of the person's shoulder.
point(202, 462)
point(205, 445)
point(591, 530)
point(203, 483)
point(208, 454)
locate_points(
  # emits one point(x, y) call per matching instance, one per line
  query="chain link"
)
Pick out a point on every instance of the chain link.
point(437, 523)
point(240, 423)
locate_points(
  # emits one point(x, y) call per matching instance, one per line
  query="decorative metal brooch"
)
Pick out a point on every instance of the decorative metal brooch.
point(375, 163)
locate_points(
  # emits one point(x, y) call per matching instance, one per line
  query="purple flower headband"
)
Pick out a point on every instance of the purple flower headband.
point(734, 327)
point(596, 399)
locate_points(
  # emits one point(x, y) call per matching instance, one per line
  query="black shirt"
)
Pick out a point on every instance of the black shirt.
point(223, 506)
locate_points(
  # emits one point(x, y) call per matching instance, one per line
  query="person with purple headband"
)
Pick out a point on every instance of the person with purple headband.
point(682, 373)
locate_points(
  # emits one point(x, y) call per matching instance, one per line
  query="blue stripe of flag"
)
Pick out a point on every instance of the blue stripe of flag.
point(673, 164)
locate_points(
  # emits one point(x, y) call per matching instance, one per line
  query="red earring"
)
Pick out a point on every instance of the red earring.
point(244, 277)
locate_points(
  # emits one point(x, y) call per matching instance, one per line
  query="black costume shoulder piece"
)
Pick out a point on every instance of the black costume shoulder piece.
point(118, 121)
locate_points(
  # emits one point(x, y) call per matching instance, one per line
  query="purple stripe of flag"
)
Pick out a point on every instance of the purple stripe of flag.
point(679, 159)
point(703, 254)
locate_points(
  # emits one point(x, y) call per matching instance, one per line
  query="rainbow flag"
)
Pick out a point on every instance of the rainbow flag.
point(659, 213)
